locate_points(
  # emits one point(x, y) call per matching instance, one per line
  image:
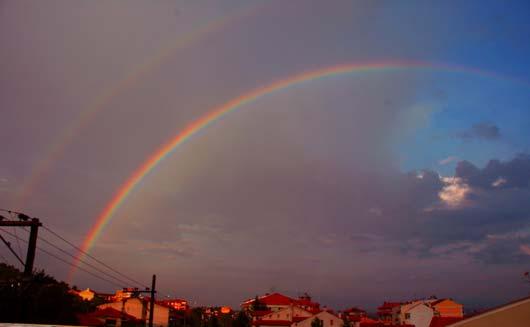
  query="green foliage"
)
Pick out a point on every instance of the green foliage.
point(213, 322)
point(36, 299)
point(317, 323)
point(241, 320)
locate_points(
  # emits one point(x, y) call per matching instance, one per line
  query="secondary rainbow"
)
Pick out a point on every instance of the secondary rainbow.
point(236, 103)
point(58, 147)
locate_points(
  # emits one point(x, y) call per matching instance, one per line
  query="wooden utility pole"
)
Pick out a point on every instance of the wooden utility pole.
point(34, 224)
point(152, 301)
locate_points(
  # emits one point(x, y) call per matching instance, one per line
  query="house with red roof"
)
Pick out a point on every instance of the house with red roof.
point(108, 317)
point(273, 302)
point(354, 314)
point(327, 319)
point(280, 310)
point(139, 309)
point(416, 313)
point(387, 312)
point(176, 304)
point(447, 308)
point(285, 317)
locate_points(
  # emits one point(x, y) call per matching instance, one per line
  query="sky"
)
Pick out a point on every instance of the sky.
point(358, 188)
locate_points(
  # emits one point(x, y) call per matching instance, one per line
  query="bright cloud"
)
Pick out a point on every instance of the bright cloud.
point(454, 192)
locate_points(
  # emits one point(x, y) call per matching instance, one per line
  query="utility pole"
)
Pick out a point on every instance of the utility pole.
point(34, 224)
point(152, 301)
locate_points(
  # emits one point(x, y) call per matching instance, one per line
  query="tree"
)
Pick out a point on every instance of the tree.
point(39, 298)
point(317, 322)
point(241, 320)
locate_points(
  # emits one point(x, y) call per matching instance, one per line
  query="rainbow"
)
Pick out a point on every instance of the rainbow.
point(239, 102)
point(58, 147)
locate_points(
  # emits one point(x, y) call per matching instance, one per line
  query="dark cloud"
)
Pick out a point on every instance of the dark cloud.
point(484, 131)
point(497, 174)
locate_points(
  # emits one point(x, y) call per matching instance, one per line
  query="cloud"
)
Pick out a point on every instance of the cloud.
point(454, 192)
point(448, 160)
point(484, 131)
point(497, 174)
point(525, 248)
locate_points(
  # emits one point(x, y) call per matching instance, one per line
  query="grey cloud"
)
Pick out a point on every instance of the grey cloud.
point(497, 174)
point(484, 131)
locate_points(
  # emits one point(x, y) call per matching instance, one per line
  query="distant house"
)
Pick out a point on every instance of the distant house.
point(176, 304)
point(354, 314)
point(279, 310)
point(139, 309)
point(416, 313)
point(447, 308)
point(514, 314)
point(387, 312)
point(87, 294)
point(328, 320)
point(285, 317)
point(108, 317)
point(273, 302)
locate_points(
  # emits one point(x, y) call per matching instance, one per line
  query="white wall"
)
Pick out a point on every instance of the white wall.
point(328, 319)
point(140, 310)
point(420, 316)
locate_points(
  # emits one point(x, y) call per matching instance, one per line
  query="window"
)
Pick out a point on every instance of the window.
point(407, 315)
point(331, 322)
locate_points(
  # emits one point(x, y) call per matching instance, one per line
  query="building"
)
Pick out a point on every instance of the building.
point(387, 312)
point(416, 313)
point(447, 308)
point(513, 314)
point(273, 302)
point(328, 320)
point(108, 317)
point(87, 294)
point(285, 317)
point(354, 315)
point(176, 304)
point(139, 309)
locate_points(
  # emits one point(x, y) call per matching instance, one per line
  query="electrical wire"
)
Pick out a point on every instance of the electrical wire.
point(8, 244)
point(127, 278)
point(70, 264)
point(72, 256)
point(92, 257)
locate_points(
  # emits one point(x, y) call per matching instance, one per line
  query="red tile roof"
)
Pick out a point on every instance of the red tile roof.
point(276, 299)
point(389, 305)
point(443, 321)
point(112, 313)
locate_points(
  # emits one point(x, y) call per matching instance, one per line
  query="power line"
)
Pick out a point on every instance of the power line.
point(82, 261)
point(11, 249)
point(82, 269)
point(72, 256)
point(92, 257)
point(70, 264)
point(16, 236)
point(127, 278)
